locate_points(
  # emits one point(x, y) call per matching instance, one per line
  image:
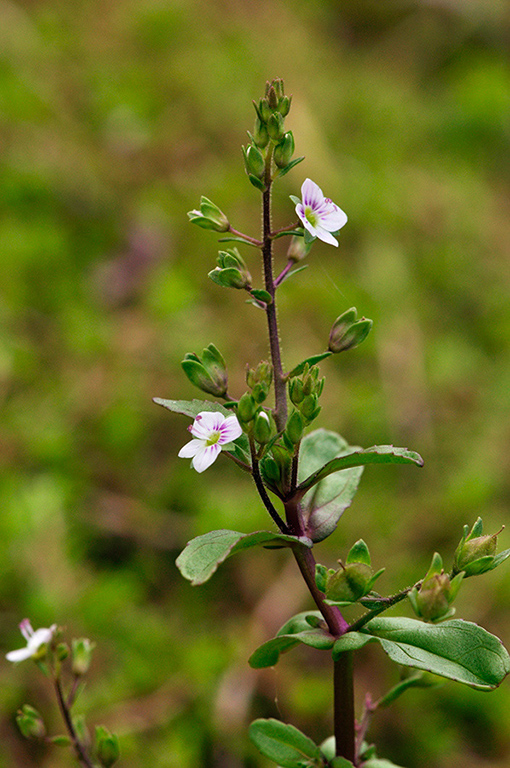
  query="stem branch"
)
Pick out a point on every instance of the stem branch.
point(81, 752)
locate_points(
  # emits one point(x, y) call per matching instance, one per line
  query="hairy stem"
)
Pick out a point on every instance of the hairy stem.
point(280, 410)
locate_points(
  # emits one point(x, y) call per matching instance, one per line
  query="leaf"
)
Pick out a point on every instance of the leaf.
point(499, 558)
point(286, 232)
point(416, 680)
point(310, 360)
point(323, 506)
point(351, 641)
point(379, 762)
point(284, 744)
point(240, 448)
point(377, 454)
point(289, 167)
point(458, 650)
point(296, 630)
point(260, 295)
point(202, 555)
point(236, 239)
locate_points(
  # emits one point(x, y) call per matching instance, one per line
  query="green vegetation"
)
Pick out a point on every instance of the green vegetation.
point(113, 120)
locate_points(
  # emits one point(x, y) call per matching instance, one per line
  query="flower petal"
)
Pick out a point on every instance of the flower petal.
point(334, 219)
point(230, 430)
point(207, 422)
point(205, 456)
point(325, 236)
point(190, 449)
point(311, 193)
point(39, 637)
point(19, 655)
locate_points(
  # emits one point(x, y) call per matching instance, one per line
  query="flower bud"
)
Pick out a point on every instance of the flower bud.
point(262, 374)
point(209, 216)
point(264, 110)
point(349, 582)
point(260, 134)
point(246, 408)
point(284, 105)
point(347, 332)
point(259, 392)
point(310, 407)
point(298, 248)
point(294, 428)
point(284, 150)
point(270, 471)
point(209, 373)
point(262, 428)
point(475, 553)
point(81, 655)
point(30, 723)
point(275, 127)
point(272, 97)
point(254, 161)
point(107, 747)
point(296, 393)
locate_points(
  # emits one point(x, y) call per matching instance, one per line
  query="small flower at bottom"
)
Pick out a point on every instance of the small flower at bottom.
point(320, 216)
point(35, 640)
point(210, 431)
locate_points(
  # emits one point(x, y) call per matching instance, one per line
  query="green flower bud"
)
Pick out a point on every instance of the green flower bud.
point(30, 723)
point(209, 373)
point(475, 552)
point(275, 127)
point(284, 150)
point(259, 392)
point(437, 591)
point(254, 161)
point(81, 655)
point(262, 374)
point(209, 216)
point(347, 332)
point(229, 278)
point(62, 651)
point(310, 407)
point(294, 428)
point(264, 110)
point(246, 408)
point(296, 393)
point(270, 471)
point(284, 105)
point(298, 248)
point(272, 97)
point(262, 428)
point(260, 134)
point(107, 747)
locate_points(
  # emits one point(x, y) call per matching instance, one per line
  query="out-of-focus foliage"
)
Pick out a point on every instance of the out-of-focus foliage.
point(114, 118)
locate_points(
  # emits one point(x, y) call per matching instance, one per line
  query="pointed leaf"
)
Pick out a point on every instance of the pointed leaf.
point(379, 762)
point(313, 360)
point(291, 165)
point(240, 448)
point(377, 454)
point(284, 744)
point(499, 558)
point(458, 650)
point(237, 239)
point(324, 505)
point(296, 630)
point(202, 556)
point(351, 641)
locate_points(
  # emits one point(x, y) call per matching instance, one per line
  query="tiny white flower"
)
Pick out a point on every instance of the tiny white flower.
point(320, 216)
point(210, 431)
point(34, 641)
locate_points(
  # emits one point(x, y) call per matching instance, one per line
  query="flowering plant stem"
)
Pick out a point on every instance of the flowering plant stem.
point(65, 710)
point(344, 722)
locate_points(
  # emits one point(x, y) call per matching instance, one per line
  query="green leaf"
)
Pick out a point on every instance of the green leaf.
point(202, 555)
point(310, 360)
point(379, 762)
point(499, 558)
point(240, 448)
point(416, 680)
point(289, 167)
point(296, 630)
point(351, 641)
point(237, 239)
point(286, 232)
point(458, 650)
point(284, 744)
point(261, 295)
point(377, 454)
point(323, 506)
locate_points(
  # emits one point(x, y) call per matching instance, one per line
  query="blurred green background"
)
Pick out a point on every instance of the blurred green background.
point(114, 118)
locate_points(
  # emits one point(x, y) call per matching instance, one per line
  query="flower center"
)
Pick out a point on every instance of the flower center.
point(213, 438)
point(311, 216)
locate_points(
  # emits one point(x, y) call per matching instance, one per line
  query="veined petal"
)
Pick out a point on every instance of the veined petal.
point(205, 423)
point(334, 220)
point(190, 449)
point(230, 430)
point(311, 193)
point(205, 456)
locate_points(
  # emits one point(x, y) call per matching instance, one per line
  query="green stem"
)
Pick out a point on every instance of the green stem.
point(388, 602)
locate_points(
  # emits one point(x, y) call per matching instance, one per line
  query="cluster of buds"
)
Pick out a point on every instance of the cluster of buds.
point(231, 271)
point(304, 393)
point(269, 133)
point(351, 581)
point(432, 601)
point(253, 418)
point(348, 332)
point(208, 373)
point(476, 553)
point(209, 216)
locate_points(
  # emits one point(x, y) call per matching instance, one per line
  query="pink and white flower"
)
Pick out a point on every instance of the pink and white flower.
point(319, 215)
point(34, 641)
point(210, 431)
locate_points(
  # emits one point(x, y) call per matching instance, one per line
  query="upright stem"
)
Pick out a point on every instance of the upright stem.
point(344, 722)
point(337, 625)
point(280, 411)
point(80, 750)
